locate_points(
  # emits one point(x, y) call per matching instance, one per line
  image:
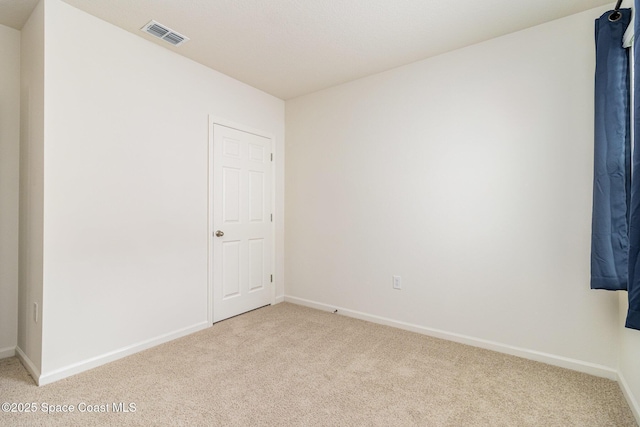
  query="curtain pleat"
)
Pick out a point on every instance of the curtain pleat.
point(633, 315)
point(612, 160)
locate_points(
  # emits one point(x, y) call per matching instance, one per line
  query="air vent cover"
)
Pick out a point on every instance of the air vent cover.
point(164, 33)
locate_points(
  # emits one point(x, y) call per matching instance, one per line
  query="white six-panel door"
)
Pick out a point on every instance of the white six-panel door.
point(242, 229)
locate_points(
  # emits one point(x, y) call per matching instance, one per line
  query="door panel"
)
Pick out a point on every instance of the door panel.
point(256, 264)
point(256, 196)
point(231, 195)
point(242, 253)
point(230, 269)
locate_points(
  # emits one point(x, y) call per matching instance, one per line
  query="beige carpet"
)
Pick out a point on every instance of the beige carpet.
point(292, 366)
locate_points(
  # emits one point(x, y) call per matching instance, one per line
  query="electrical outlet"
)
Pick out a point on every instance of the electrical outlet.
point(397, 282)
point(35, 312)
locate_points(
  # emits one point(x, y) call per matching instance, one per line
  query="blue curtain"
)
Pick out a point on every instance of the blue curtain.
point(612, 160)
point(633, 316)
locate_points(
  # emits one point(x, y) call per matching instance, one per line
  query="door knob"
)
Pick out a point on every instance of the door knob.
point(219, 233)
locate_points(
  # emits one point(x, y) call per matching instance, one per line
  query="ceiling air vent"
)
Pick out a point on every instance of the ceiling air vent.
point(164, 33)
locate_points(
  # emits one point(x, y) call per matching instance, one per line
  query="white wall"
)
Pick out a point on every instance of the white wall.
point(9, 187)
point(125, 224)
point(31, 188)
point(469, 174)
point(629, 353)
point(629, 356)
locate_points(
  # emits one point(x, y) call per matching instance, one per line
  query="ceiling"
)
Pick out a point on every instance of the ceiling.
point(290, 48)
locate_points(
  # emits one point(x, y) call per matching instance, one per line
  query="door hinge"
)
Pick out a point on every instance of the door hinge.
point(272, 157)
point(272, 278)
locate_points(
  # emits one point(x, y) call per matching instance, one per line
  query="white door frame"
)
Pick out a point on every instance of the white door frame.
point(214, 120)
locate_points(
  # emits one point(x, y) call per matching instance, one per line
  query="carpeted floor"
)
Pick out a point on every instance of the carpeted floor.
point(293, 366)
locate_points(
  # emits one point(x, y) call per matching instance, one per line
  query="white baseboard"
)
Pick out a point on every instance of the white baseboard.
point(94, 362)
point(631, 399)
point(278, 299)
point(550, 359)
point(7, 352)
point(28, 364)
